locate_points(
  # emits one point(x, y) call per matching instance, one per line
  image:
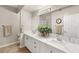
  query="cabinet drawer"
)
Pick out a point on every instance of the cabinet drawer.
point(54, 50)
point(44, 48)
point(26, 41)
point(36, 46)
point(33, 45)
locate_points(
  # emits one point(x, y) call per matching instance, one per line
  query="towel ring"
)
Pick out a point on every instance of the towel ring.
point(58, 21)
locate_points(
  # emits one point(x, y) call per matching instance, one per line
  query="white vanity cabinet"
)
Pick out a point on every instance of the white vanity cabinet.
point(26, 41)
point(32, 44)
point(37, 46)
point(51, 49)
point(44, 48)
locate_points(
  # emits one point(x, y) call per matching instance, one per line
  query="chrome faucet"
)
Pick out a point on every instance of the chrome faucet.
point(34, 31)
point(59, 38)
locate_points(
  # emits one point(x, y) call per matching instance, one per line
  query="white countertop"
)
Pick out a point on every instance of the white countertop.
point(64, 46)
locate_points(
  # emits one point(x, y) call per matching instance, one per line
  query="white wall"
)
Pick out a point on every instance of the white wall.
point(70, 17)
point(35, 21)
point(44, 10)
point(26, 18)
point(8, 17)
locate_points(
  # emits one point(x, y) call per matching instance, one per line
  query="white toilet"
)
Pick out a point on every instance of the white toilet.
point(21, 40)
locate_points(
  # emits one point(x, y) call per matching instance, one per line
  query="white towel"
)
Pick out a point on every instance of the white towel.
point(58, 29)
point(7, 30)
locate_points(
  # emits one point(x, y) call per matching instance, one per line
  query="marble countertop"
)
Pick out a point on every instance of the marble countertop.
point(53, 42)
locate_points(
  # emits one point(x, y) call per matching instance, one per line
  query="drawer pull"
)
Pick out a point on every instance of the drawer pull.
point(34, 46)
point(51, 51)
point(34, 42)
point(27, 38)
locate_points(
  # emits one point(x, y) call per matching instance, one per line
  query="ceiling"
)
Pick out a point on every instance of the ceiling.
point(32, 8)
point(17, 8)
point(14, 6)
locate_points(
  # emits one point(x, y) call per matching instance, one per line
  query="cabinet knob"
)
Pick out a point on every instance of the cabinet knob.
point(34, 46)
point(51, 51)
point(34, 42)
point(27, 38)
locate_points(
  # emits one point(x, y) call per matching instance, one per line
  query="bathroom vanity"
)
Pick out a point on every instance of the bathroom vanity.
point(38, 44)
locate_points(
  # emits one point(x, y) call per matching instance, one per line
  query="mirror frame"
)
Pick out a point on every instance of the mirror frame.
point(58, 21)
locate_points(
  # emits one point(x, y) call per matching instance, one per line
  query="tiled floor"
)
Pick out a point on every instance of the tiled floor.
point(14, 49)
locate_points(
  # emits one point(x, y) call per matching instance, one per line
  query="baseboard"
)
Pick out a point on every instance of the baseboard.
point(8, 44)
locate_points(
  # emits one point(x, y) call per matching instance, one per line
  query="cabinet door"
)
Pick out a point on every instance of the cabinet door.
point(26, 41)
point(30, 44)
point(43, 48)
point(33, 45)
point(36, 46)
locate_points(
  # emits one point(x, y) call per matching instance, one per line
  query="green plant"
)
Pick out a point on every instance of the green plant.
point(44, 29)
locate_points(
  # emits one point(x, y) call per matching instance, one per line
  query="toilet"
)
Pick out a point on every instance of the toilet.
point(20, 39)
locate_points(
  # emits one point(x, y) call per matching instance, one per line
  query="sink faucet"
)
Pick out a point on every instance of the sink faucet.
point(33, 31)
point(59, 38)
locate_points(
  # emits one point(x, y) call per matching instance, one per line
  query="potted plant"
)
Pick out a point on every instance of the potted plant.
point(44, 30)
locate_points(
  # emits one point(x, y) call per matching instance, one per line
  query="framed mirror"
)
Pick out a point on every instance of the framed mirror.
point(58, 21)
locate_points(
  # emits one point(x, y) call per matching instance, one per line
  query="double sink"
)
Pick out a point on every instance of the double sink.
point(70, 47)
point(59, 42)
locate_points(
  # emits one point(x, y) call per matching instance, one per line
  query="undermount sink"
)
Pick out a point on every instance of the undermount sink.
point(67, 45)
point(62, 43)
point(54, 40)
